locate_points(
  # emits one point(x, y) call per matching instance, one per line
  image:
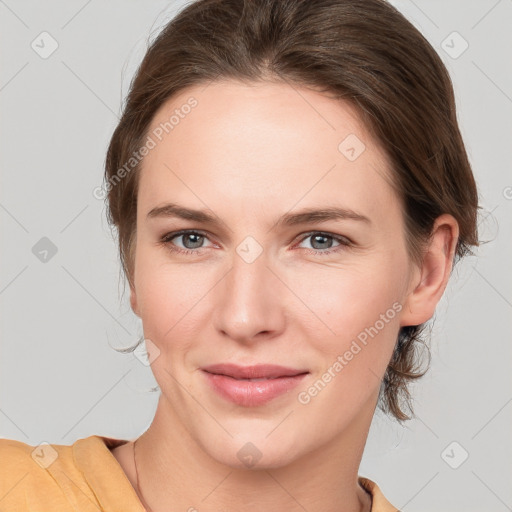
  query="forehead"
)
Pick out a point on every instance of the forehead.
point(261, 108)
point(267, 141)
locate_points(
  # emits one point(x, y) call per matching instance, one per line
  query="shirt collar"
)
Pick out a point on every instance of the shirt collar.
point(104, 475)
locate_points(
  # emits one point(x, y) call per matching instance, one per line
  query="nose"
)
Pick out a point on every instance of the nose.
point(252, 301)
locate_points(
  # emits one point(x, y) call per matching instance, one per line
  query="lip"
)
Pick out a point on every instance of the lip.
point(232, 382)
point(258, 371)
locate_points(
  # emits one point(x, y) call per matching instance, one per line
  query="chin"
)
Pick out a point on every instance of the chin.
point(252, 449)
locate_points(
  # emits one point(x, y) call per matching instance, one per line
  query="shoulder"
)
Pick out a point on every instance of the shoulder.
point(17, 459)
point(36, 477)
point(33, 459)
point(379, 501)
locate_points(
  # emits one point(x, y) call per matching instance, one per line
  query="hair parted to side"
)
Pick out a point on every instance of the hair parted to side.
point(361, 51)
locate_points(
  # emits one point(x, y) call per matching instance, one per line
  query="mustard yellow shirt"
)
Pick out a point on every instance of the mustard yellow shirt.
point(83, 477)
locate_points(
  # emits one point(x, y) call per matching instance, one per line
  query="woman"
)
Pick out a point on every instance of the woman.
point(291, 191)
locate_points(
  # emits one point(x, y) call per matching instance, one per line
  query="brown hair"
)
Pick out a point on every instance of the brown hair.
point(363, 51)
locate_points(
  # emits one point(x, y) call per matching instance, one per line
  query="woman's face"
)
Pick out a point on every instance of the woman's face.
point(262, 283)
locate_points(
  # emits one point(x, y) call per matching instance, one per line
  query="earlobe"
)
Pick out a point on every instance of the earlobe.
point(431, 280)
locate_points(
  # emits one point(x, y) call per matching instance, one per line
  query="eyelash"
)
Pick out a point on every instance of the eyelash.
point(166, 241)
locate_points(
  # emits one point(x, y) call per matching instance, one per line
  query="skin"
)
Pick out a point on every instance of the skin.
point(249, 154)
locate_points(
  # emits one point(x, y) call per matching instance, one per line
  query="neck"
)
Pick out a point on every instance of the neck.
point(174, 472)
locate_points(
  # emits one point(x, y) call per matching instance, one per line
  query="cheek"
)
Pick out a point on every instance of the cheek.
point(362, 312)
point(166, 295)
point(175, 302)
point(345, 301)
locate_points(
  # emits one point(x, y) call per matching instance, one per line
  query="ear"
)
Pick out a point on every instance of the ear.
point(133, 301)
point(430, 280)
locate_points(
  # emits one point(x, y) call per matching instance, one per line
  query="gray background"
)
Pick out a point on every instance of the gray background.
point(60, 379)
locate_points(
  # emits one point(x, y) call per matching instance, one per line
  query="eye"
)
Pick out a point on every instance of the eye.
point(323, 242)
point(192, 240)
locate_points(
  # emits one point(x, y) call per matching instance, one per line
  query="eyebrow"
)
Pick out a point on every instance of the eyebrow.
point(304, 216)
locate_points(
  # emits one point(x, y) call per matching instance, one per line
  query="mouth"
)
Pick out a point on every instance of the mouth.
point(253, 373)
point(251, 386)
